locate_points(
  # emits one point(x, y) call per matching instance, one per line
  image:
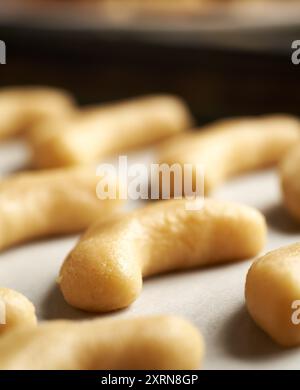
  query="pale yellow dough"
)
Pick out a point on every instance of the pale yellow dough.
point(95, 133)
point(40, 204)
point(23, 107)
point(18, 311)
point(160, 343)
point(104, 272)
point(230, 147)
point(290, 180)
point(273, 284)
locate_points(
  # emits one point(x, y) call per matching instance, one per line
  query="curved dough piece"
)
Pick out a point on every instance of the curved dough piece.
point(230, 147)
point(40, 204)
point(290, 180)
point(22, 108)
point(17, 310)
point(272, 286)
point(96, 133)
point(104, 272)
point(159, 343)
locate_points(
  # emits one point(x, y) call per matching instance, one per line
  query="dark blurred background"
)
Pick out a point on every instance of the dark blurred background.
point(226, 70)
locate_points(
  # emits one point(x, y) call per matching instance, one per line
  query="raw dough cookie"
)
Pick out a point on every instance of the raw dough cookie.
point(104, 272)
point(153, 343)
point(231, 147)
point(41, 204)
point(273, 294)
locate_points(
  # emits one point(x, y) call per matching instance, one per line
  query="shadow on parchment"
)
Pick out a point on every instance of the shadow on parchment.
point(280, 220)
point(243, 339)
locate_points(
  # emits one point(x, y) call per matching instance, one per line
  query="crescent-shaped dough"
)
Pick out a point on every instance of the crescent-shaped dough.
point(16, 311)
point(104, 272)
point(53, 202)
point(153, 343)
point(273, 294)
point(22, 108)
point(95, 133)
point(230, 147)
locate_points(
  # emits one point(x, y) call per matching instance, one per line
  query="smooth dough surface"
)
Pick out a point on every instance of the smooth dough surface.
point(104, 271)
point(273, 284)
point(53, 202)
point(95, 133)
point(21, 108)
point(160, 343)
point(230, 147)
point(17, 310)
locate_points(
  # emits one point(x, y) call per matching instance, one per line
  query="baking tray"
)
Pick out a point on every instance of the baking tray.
point(251, 25)
point(220, 62)
point(212, 298)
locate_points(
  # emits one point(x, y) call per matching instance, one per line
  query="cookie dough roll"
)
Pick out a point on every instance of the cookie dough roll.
point(105, 270)
point(231, 147)
point(272, 294)
point(146, 343)
point(23, 107)
point(53, 202)
point(95, 133)
point(15, 311)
